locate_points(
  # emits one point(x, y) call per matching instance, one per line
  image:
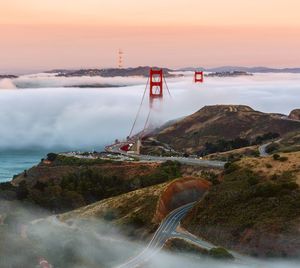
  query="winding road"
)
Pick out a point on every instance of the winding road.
point(263, 149)
point(166, 230)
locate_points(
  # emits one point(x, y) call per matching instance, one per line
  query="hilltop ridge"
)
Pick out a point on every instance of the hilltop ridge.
point(112, 72)
point(213, 125)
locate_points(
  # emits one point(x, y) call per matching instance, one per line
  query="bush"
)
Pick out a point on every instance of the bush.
point(255, 153)
point(277, 157)
point(88, 185)
point(265, 137)
point(230, 167)
point(51, 156)
point(220, 253)
point(253, 180)
point(74, 161)
point(223, 146)
point(272, 147)
point(267, 189)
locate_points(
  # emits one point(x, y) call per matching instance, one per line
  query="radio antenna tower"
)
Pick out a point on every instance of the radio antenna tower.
point(120, 58)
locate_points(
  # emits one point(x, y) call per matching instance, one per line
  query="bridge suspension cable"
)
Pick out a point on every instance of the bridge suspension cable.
point(140, 107)
point(146, 123)
point(167, 87)
point(156, 92)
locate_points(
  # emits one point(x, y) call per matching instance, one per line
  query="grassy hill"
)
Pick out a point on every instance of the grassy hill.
point(133, 212)
point(223, 128)
point(66, 183)
point(288, 143)
point(255, 209)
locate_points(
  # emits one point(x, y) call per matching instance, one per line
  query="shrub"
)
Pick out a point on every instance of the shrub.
point(290, 186)
point(89, 185)
point(220, 253)
point(223, 146)
point(267, 189)
point(265, 137)
point(253, 180)
point(230, 167)
point(255, 153)
point(268, 165)
point(272, 147)
point(277, 157)
point(274, 177)
point(51, 156)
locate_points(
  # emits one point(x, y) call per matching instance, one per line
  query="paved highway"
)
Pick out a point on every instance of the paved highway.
point(262, 150)
point(184, 160)
point(166, 230)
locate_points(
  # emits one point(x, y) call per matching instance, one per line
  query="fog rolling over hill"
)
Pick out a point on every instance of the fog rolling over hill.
point(50, 116)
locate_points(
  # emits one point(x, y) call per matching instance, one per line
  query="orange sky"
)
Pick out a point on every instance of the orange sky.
point(45, 34)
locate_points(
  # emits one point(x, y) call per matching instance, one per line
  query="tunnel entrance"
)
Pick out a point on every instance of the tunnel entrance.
point(180, 192)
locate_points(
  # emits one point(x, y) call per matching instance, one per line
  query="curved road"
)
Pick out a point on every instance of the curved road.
point(166, 230)
point(263, 149)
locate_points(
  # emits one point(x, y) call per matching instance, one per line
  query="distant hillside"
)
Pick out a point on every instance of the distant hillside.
point(254, 69)
point(112, 72)
point(258, 69)
point(9, 76)
point(229, 74)
point(144, 71)
point(223, 126)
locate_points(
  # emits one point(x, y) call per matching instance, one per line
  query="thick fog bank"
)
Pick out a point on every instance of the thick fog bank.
point(92, 117)
point(46, 80)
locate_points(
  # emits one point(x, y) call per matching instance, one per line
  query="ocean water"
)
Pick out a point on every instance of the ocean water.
point(13, 162)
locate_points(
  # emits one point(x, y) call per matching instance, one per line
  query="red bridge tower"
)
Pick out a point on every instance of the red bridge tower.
point(199, 77)
point(156, 83)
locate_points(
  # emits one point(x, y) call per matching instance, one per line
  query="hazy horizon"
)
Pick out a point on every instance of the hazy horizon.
point(36, 71)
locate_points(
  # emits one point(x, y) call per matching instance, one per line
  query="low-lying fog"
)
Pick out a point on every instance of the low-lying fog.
point(94, 243)
point(51, 116)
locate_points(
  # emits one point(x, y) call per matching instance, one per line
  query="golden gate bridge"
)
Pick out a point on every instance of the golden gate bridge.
point(155, 86)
